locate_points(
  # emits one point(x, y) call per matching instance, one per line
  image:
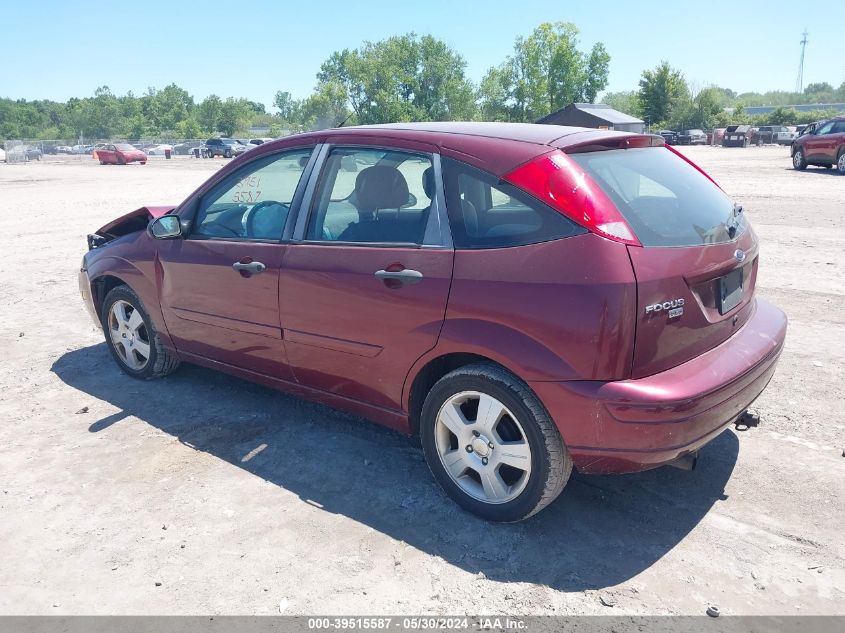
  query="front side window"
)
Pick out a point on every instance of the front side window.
point(254, 202)
point(372, 196)
point(485, 212)
point(825, 129)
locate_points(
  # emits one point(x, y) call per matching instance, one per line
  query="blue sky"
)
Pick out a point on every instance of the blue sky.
point(57, 50)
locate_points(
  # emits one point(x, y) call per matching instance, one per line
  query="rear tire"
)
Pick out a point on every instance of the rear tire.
point(799, 161)
point(132, 338)
point(504, 466)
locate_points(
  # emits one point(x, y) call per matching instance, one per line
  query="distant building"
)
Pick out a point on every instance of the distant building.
point(597, 115)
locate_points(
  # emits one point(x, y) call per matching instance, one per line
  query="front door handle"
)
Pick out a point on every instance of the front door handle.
point(249, 267)
point(404, 277)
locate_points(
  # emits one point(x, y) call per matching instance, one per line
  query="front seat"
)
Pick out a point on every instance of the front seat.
point(376, 188)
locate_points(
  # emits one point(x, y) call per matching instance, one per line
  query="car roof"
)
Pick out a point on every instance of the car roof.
point(525, 132)
point(494, 146)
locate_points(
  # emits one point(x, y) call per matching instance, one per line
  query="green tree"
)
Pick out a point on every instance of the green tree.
point(546, 72)
point(662, 90)
point(208, 113)
point(229, 117)
point(626, 102)
point(402, 78)
point(286, 105)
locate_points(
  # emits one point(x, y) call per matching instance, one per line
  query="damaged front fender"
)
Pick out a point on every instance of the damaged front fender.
point(136, 220)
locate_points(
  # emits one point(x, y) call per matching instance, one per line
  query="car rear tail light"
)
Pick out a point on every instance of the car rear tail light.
point(560, 182)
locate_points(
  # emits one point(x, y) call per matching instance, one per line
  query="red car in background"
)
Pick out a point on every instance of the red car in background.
point(528, 299)
point(120, 154)
point(821, 144)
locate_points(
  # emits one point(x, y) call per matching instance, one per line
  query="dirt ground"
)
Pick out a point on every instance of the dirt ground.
point(204, 494)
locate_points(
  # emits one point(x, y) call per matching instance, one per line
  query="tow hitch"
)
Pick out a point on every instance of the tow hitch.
point(746, 421)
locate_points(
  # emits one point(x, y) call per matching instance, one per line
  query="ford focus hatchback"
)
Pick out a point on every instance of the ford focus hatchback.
point(528, 299)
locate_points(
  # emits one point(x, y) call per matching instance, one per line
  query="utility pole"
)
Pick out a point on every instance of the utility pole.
point(799, 84)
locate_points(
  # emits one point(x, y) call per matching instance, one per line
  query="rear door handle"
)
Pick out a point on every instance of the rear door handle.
point(251, 267)
point(405, 277)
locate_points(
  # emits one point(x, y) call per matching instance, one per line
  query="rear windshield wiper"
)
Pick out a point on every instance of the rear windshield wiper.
point(733, 221)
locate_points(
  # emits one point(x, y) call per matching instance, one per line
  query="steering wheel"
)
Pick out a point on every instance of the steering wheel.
point(277, 220)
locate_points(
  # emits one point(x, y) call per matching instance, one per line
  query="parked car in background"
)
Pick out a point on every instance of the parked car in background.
point(2, 155)
point(260, 141)
point(159, 150)
point(669, 136)
point(801, 128)
point(692, 137)
point(737, 136)
point(821, 144)
point(225, 147)
point(23, 153)
point(64, 149)
point(779, 134)
point(528, 299)
point(120, 154)
point(81, 149)
point(186, 148)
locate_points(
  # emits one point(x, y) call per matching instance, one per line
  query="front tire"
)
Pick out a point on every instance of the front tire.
point(840, 162)
point(799, 161)
point(492, 445)
point(131, 336)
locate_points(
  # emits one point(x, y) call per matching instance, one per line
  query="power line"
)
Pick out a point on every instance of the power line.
point(799, 84)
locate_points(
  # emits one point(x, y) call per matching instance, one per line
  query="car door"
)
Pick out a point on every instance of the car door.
point(364, 285)
point(817, 143)
point(219, 285)
point(107, 154)
point(837, 139)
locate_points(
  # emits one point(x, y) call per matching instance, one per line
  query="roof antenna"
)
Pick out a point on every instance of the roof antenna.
point(342, 123)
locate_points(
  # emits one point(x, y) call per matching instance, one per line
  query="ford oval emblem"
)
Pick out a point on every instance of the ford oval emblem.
point(739, 255)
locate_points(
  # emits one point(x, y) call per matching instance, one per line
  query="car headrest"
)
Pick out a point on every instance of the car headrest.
point(428, 182)
point(380, 187)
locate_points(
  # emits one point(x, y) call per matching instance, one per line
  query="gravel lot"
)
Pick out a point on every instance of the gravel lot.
point(203, 494)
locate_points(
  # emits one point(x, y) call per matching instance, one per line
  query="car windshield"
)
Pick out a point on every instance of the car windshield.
point(666, 200)
point(124, 147)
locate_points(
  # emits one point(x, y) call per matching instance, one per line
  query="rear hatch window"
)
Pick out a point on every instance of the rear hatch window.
point(666, 201)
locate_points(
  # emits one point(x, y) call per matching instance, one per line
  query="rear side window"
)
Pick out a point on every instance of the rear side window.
point(372, 196)
point(485, 212)
point(667, 201)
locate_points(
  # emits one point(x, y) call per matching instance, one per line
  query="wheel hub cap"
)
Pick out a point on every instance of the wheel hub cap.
point(483, 447)
point(129, 335)
point(480, 446)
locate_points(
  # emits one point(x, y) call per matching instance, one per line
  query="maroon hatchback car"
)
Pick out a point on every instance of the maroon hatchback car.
point(527, 298)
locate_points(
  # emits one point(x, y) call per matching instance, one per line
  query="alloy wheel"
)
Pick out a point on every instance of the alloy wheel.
point(840, 164)
point(129, 335)
point(797, 159)
point(483, 447)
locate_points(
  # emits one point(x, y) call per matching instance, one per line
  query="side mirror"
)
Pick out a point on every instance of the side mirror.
point(167, 227)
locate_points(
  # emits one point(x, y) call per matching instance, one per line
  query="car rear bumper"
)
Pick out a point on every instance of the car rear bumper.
point(87, 298)
point(633, 425)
